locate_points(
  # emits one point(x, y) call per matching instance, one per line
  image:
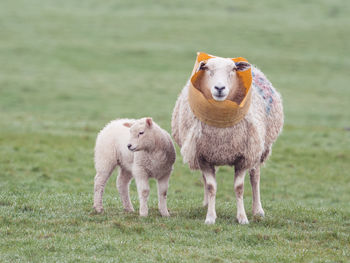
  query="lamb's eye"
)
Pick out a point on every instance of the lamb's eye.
point(140, 133)
point(234, 69)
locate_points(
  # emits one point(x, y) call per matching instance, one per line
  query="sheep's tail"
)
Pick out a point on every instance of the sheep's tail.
point(189, 147)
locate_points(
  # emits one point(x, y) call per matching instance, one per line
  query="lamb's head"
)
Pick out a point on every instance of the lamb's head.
point(219, 79)
point(141, 135)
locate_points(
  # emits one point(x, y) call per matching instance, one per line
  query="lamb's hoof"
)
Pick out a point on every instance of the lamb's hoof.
point(98, 210)
point(259, 213)
point(165, 214)
point(242, 219)
point(210, 220)
point(129, 210)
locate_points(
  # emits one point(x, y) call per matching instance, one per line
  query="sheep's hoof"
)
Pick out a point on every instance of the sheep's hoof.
point(98, 210)
point(210, 221)
point(144, 214)
point(242, 219)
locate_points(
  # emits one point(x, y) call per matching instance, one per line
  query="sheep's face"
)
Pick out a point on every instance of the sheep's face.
point(141, 135)
point(219, 79)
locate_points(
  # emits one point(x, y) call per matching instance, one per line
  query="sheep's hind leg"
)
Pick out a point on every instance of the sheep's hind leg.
point(205, 199)
point(210, 183)
point(163, 184)
point(255, 182)
point(239, 190)
point(123, 182)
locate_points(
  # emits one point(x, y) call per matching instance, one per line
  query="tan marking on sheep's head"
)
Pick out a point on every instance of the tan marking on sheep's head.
point(219, 78)
point(141, 137)
point(220, 89)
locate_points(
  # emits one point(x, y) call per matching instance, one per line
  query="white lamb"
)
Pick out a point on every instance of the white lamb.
point(142, 150)
point(246, 145)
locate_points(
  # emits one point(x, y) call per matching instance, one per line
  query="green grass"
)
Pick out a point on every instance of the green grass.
point(68, 67)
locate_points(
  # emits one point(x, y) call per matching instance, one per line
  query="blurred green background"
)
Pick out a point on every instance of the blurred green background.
point(69, 67)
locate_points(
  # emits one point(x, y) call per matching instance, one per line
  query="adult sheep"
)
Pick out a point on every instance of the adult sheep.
point(212, 134)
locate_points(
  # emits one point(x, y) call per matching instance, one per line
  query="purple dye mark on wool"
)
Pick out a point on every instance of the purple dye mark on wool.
point(264, 88)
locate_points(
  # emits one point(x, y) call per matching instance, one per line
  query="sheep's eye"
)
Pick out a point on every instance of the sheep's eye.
point(140, 133)
point(203, 67)
point(234, 69)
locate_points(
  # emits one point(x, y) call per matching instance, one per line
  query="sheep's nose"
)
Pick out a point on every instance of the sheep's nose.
point(219, 89)
point(129, 145)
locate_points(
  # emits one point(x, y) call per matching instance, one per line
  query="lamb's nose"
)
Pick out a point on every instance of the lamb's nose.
point(219, 89)
point(129, 145)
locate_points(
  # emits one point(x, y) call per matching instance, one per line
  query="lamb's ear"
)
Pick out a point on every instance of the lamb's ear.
point(127, 124)
point(242, 66)
point(149, 122)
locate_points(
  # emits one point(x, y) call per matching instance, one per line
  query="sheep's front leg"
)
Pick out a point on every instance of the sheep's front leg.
point(123, 182)
point(163, 184)
point(141, 179)
point(239, 190)
point(255, 182)
point(210, 182)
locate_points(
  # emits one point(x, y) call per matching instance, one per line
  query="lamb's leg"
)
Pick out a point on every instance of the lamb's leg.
point(99, 187)
point(209, 177)
point(239, 190)
point(163, 184)
point(255, 182)
point(142, 185)
point(205, 199)
point(123, 182)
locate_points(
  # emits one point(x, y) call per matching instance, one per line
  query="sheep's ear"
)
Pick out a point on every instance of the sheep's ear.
point(149, 122)
point(127, 124)
point(202, 65)
point(242, 66)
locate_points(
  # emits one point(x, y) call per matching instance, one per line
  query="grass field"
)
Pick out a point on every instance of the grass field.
point(68, 67)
